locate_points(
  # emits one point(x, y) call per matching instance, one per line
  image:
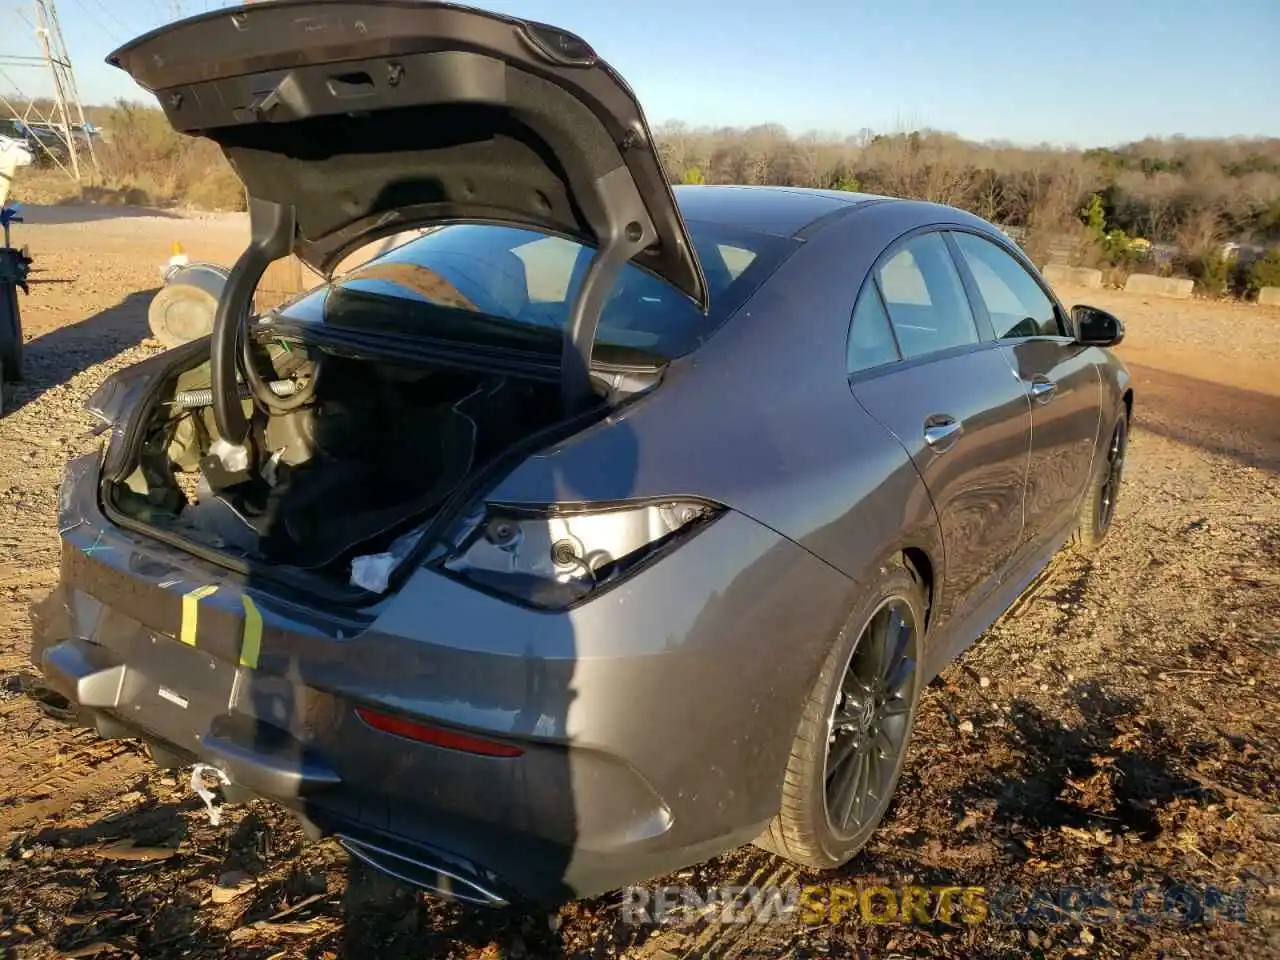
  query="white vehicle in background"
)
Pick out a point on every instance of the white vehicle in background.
point(14, 153)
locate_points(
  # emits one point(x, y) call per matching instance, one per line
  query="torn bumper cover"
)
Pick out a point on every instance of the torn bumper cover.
point(308, 709)
point(145, 643)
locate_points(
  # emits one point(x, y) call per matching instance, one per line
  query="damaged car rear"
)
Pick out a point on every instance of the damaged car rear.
point(597, 529)
point(288, 565)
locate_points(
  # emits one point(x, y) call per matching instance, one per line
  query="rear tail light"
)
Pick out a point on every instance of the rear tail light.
point(435, 736)
point(555, 556)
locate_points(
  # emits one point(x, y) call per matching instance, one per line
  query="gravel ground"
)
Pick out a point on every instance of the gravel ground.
point(1117, 728)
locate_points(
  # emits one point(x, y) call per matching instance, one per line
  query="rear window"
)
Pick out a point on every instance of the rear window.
point(456, 280)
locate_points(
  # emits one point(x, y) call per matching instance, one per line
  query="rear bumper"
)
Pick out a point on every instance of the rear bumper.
point(654, 722)
point(116, 700)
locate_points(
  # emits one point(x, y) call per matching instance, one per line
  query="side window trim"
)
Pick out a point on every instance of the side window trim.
point(884, 306)
point(1020, 258)
point(908, 363)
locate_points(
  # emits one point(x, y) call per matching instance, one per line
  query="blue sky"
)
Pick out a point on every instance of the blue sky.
point(1081, 72)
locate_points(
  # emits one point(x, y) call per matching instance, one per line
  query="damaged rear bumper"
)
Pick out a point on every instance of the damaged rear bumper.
point(126, 680)
point(637, 722)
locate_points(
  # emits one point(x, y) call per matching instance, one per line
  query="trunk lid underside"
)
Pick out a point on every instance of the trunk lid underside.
point(368, 118)
point(353, 121)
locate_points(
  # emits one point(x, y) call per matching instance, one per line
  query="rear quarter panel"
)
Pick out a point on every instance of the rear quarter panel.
point(762, 419)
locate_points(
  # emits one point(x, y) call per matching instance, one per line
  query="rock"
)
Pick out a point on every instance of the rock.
point(966, 726)
point(128, 851)
point(230, 886)
point(89, 950)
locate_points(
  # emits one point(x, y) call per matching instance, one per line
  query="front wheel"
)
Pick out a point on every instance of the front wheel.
point(1098, 508)
point(849, 749)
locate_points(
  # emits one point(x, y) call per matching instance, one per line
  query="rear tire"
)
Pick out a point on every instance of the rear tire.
point(1098, 508)
point(854, 730)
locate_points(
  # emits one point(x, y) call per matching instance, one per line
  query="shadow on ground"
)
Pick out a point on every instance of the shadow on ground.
point(1098, 775)
point(91, 208)
point(54, 358)
point(153, 899)
point(1230, 421)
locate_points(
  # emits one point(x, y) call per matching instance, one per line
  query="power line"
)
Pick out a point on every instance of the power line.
point(85, 8)
point(65, 119)
point(107, 10)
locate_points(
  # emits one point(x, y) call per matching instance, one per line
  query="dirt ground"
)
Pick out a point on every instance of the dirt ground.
point(1117, 728)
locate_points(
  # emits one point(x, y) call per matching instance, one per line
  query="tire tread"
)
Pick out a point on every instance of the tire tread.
point(792, 833)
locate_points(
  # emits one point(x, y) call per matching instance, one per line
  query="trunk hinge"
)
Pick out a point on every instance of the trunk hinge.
point(627, 229)
point(272, 227)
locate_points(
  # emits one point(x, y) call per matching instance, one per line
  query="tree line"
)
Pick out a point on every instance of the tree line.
point(1106, 205)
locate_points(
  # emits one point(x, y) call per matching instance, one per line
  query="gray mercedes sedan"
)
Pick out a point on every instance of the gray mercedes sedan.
point(599, 528)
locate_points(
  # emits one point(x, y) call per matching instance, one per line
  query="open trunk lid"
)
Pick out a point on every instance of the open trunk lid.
point(375, 116)
point(352, 121)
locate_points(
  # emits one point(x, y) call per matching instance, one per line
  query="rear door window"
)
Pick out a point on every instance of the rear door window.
point(925, 297)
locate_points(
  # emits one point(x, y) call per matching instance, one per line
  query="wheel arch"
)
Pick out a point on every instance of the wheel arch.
point(922, 568)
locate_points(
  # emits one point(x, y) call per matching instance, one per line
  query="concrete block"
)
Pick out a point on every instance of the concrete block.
point(1269, 296)
point(1175, 287)
point(1059, 274)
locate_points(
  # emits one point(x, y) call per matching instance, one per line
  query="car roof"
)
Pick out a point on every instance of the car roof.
point(782, 211)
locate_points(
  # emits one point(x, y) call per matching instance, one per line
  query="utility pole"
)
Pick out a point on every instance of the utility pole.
point(66, 117)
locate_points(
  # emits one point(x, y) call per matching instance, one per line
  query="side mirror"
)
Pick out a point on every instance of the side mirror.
point(1096, 328)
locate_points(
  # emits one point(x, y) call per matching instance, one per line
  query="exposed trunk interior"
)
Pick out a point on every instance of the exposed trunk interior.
point(366, 453)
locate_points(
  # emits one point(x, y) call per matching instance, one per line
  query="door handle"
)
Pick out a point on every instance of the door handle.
point(941, 432)
point(1043, 390)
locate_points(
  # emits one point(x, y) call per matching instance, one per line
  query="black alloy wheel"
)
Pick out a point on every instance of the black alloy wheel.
point(1113, 474)
point(871, 719)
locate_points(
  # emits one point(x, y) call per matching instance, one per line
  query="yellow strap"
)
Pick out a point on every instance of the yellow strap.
point(191, 610)
point(252, 634)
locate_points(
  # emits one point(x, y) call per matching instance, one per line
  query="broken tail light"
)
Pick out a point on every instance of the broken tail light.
point(554, 557)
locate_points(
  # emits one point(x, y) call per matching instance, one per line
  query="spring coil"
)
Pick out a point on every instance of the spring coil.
point(191, 399)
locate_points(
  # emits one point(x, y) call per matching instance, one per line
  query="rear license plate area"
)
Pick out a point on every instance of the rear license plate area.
point(175, 691)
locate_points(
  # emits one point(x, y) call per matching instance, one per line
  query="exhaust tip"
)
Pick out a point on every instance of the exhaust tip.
point(439, 879)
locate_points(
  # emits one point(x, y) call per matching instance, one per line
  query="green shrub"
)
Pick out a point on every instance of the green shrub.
point(1211, 271)
point(693, 175)
point(1117, 249)
point(1094, 218)
point(1264, 272)
point(221, 189)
